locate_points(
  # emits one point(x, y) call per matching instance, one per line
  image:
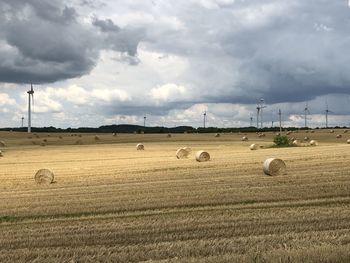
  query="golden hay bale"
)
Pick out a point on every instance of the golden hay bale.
point(79, 142)
point(182, 153)
point(114, 134)
point(253, 147)
point(313, 143)
point(274, 166)
point(345, 131)
point(44, 176)
point(43, 144)
point(277, 134)
point(97, 138)
point(169, 135)
point(312, 131)
point(217, 135)
point(261, 135)
point(289, 132)
point(202, 156)
point(1, 155)
point(306, 138)
point(2, 144)
point(296, 142)
point(244, 138)
point(331, 131)
point(339, 136)
point(140, 147)
point(348, 141)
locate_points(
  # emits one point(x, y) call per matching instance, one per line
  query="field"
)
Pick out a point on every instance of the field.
point(111, 203)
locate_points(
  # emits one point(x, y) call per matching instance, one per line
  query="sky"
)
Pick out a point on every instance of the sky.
point(102, 62)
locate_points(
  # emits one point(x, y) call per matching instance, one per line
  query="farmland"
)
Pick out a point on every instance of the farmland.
point(112, 203)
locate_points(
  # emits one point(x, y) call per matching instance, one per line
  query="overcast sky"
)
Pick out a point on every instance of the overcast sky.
point(99, 62)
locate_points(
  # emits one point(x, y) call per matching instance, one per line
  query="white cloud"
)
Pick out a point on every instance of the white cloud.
point(6, 100)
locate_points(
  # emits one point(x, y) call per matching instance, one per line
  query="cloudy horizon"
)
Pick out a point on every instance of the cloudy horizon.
point(104, 62)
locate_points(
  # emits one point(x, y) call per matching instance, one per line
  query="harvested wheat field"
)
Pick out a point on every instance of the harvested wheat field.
point(109, 202)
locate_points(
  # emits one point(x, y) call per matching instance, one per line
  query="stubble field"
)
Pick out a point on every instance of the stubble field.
point(111, 203)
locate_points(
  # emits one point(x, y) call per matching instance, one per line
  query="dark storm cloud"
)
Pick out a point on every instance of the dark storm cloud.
point(44, 42)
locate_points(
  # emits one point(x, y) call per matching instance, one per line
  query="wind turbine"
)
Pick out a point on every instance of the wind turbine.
point(144, 121)
point(262, 106)
point(251, 121)
point(30, 101)
point(306, 112)
point(22, 121)
point(257, 115)
point(280, 119)
point(204, 118)
point(327, 112)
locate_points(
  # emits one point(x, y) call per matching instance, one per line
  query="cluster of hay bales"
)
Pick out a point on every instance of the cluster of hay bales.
point(202, 156)
point(44, 176)
point(244, 138)
point(183, 153)
point(274, 167)
point(140, 147)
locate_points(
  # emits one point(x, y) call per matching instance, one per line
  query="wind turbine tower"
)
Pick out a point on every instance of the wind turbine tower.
point(251, 121)
point(144, 121)
point(204, 118)
point(22, 122)
point(306, 112)
point(327, 112)
point(280, 119)
point(262, 106)
point(30, 101)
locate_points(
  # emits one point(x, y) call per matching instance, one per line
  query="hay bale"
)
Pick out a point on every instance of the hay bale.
point(331, 131)
point(43, 144)
point(114, 134)
point(313, 143)
point(217, 135)
point(182, 153)
point(1, 155)
point(45, 140)
point(296, 142)
point(274, 166)
point(140, 147)
point(253, 147)
point(188, 149)
point(306, 138)
point(97, 138)
point(312, 131)
point(202, 156)
point(261, 135)
point(289, 132)
point(2, 144)
point(37, 136)
point(169, 135)
point(79, 142)
point(345, 131)
point(44, 176)
point(244, 138)
point(60, 137)
point(348, 141)
point(339, 136)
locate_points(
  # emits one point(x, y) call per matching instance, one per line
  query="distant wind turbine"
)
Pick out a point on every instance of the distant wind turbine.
point(204, 118)
point(327, 112)
point(144, 121)
point(22, 122)
point(30, 101)
point(306, 112)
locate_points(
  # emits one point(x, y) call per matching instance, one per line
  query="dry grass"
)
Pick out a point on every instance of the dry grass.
point(112, 203)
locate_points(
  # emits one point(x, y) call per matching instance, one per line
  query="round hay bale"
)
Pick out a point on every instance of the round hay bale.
point(169, 135)
point(181, 153)
point(244, 138)
point(296, 142)
point(202, 156)
point(261, 135)
point(339, 136)
point(277, 134)
point(140, 147)
point(45, 140)
point(274, 166)
point(312, 131)
point(60, 137)
point(289, 132)
point(44, 176)
point(331, 131)
point(114, 134)
point(79, 142)
point(217, 135)
point(1, 155)
point(37, 136)
point(43, 144)
point(253, 147)
point(348, 141)
point(306, 138)
point(313, 143)
point(345, 131)
point(97, 138)
point(2, 144)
